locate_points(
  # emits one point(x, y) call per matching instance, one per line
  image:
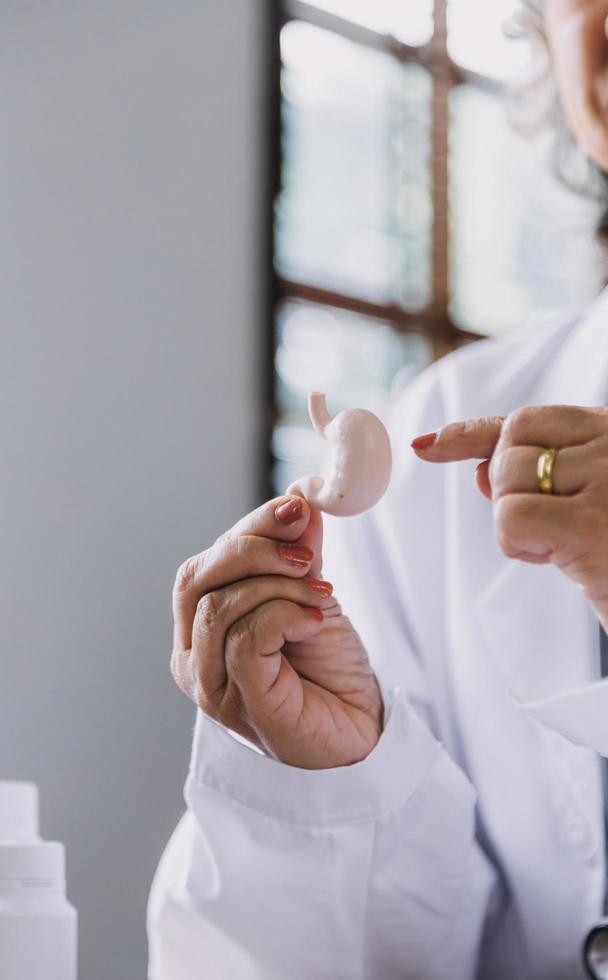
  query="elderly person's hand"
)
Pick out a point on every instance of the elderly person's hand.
point(261, 645)
point(569, 527)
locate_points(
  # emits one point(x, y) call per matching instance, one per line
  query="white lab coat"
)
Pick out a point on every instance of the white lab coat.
point(470, 842)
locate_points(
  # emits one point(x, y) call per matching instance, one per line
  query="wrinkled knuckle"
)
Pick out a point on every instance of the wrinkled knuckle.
point(243, 549)
point(469, 426)
point(240, 635)
point(240, 639)
point(524, 415)
point(461, 432)
point(208, 614)
point(187, 573)
point(517, 423)
point(223, 543)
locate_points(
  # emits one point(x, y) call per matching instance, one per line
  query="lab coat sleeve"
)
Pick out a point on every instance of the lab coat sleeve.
point(364, 871)
point(369, 870)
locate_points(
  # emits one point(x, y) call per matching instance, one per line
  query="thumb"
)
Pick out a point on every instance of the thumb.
point(482, 479)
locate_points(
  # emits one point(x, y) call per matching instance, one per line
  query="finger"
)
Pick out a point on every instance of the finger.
point(231, 559)
point(554, 425)
point(515, 470)
point(254, 660)
point(284, 518)
point(218, 611)
point(482, 479)
point(312, 538)
point(539, 526)
point(534, 559)
point(470, 439)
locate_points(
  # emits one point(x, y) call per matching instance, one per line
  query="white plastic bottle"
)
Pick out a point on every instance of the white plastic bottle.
point(38, 926)
point(18, 811)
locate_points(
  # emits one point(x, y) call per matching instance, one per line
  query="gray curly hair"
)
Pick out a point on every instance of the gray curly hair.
point(534, 106)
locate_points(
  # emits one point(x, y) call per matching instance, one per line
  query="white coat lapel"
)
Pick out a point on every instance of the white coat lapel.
point(535, 619)
point(541, 630)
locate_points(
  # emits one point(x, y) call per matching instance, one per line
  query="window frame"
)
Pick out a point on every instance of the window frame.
point(434, 321)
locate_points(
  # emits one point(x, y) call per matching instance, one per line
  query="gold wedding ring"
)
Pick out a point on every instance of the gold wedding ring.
point(544, 471)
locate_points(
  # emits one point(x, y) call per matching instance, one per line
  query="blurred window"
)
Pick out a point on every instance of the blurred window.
point(411, 217)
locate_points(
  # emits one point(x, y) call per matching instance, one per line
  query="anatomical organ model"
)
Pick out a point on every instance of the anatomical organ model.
point(360, 465)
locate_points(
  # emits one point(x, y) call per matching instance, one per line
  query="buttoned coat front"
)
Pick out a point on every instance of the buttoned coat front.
point(470, 843)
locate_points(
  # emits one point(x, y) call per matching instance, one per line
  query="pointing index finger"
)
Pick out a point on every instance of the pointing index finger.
point(469, 439)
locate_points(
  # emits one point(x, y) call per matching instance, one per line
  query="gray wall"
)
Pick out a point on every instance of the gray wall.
point(129, 374)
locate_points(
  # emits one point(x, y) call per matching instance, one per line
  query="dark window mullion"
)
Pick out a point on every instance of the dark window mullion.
point(442, 85)
point(432, 56)
point(434, 324)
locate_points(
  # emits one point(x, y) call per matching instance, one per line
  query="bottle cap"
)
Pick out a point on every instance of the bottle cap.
point(42, 861)
point(18, 811)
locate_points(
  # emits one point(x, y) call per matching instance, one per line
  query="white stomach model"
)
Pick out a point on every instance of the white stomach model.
point(360, 466)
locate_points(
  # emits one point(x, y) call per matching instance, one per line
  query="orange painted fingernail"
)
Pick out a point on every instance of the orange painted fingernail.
point(296, 554)
point(315, 613)
point(289, 512)
point(324, 589)
point(424, 442)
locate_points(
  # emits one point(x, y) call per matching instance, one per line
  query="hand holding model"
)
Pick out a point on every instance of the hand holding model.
point(260, 643)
